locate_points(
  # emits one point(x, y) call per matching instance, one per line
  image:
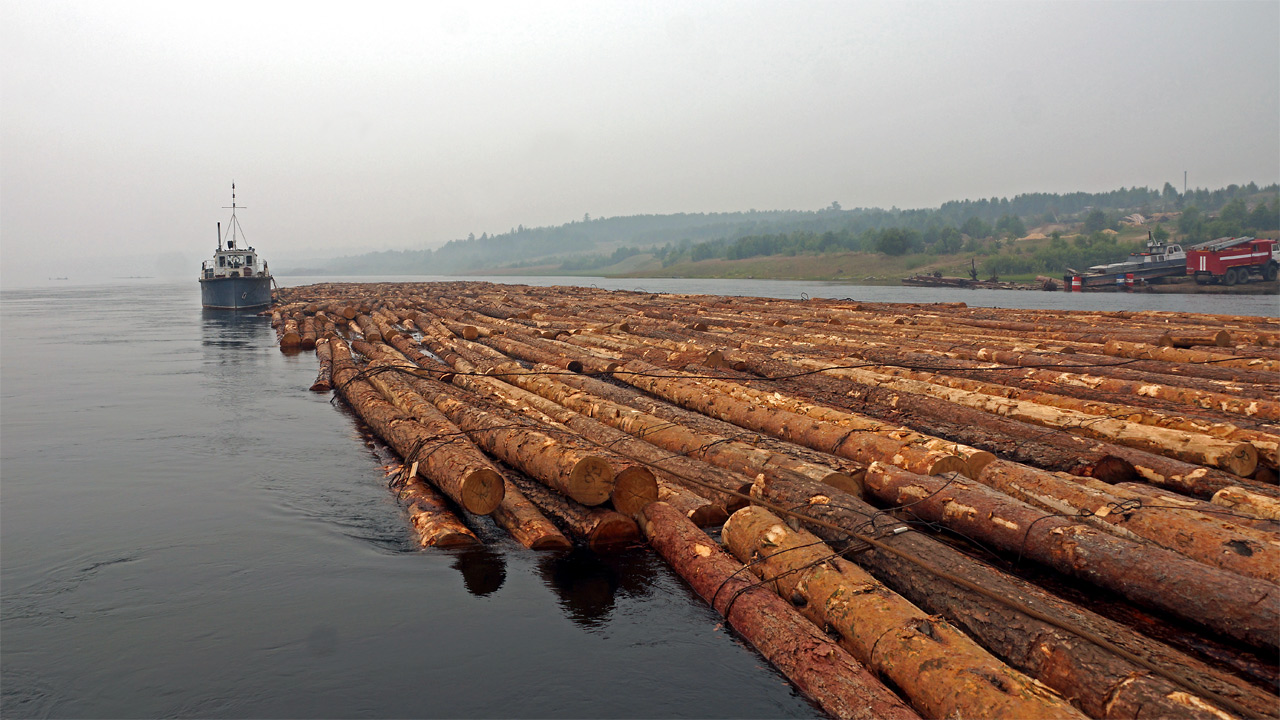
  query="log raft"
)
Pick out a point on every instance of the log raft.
point(1130, 456)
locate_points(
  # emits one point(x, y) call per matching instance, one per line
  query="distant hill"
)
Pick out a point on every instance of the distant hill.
point(593, 244)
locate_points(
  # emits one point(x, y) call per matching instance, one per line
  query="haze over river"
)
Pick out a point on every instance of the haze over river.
point(187, 531)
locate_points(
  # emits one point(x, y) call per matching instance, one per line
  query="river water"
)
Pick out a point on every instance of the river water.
point(187, 531)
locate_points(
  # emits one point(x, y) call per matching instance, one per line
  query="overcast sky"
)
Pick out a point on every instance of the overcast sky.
point(368, 125)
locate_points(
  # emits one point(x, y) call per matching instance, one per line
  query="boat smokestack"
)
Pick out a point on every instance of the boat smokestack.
point(219, 235)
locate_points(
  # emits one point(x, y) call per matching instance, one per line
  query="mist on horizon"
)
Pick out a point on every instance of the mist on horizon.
point(350, 129)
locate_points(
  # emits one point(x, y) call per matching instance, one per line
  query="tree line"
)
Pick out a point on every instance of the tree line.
point(979, 226)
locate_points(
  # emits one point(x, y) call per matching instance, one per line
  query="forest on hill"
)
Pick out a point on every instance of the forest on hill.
point(1081, 231)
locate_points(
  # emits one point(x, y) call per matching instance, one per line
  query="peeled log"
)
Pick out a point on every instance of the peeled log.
point(821, 670)
point(1243, 608)
point(586, 478)
point(600, 528)
point(1102, 683)
point(860, 446)
point(1239, 458)
point(940, 670)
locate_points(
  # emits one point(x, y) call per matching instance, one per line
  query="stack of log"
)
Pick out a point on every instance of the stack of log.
point(925, 510)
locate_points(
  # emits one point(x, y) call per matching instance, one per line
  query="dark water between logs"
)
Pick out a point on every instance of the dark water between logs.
point(186, 531)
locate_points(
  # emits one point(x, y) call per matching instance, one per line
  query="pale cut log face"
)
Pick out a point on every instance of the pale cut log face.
point(482, 491)
point(591, 481)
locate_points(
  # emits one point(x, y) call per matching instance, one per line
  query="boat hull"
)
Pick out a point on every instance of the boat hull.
point(235, 293)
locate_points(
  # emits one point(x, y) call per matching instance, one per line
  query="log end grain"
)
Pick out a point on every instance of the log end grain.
point(482, 491)
point(633, 488)
point(950, 464)
point(976, 461)
point(851, 483)
point(590, 482)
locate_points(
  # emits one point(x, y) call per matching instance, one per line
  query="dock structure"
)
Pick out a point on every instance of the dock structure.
point(924, 510)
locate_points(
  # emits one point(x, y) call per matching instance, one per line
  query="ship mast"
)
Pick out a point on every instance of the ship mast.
point(234, 225)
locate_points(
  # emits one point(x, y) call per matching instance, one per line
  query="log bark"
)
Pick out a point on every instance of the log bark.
point(1242, 500)
point(585, 477)
point(525, 523)
point(820, 669)
point(699, 510)
point(1240, 607)
point(1031, 636)
point(743, 459)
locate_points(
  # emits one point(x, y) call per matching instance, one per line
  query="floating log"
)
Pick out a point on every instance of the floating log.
point(1043, 635)
point(1240, 607)
point(861, 446)
point(821, 669)
point(940, 670)
point(323, 381)
point(599, 528)
point(433, 522)
point(434, 445)
point(1235, 457)
point(1213, 541)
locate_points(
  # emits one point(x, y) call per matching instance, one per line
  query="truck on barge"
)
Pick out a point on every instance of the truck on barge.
point(237, 278)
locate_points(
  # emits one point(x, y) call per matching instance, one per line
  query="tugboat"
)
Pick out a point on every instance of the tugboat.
point(237, 277)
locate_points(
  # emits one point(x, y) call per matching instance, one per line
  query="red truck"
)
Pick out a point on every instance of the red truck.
point(1234, 260)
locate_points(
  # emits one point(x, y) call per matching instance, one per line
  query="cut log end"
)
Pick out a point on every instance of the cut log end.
point(1242, 461)
point(976, 461)
point(633, 488)
point(848, 482)
point(591, 481)
point(482, 491)
point(950, 464)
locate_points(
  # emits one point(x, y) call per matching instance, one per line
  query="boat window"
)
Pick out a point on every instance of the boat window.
point(222, 260)
point(248, 259)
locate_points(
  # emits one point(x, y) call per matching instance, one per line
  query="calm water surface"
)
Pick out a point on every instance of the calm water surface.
point(187, 531)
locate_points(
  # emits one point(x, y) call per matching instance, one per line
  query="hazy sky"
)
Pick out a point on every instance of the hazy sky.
point(369, 125)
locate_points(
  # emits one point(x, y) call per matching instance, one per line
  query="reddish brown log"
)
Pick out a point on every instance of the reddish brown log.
point(818, 667)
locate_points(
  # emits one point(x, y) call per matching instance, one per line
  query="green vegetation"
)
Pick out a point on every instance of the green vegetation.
point(1076, 230)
